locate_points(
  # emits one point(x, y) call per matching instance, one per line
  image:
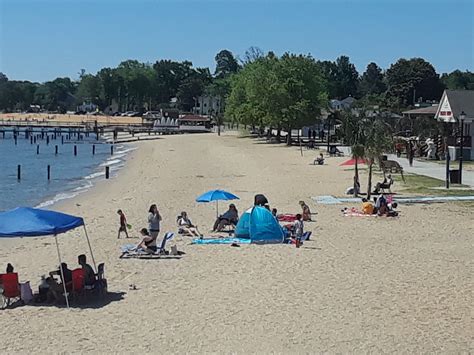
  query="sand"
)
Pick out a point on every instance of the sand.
point(361, 285)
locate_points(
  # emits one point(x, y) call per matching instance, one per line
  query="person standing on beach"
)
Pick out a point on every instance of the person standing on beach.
point(123, 224)
point(154, 219)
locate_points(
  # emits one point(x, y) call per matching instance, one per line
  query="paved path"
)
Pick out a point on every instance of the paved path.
point(434, 170)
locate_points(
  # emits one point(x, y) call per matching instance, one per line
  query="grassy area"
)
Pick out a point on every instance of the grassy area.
point(424, 185)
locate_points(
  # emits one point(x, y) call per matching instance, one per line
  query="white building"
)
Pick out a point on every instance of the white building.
point(453, 105)
point(207, 105)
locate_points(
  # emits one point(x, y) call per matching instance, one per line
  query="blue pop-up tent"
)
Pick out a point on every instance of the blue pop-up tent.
point(33, 222)
point(259, 225)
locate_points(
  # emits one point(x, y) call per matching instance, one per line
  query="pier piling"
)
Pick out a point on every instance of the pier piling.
point(49, 172)
point(18, 172)
point(107, 172)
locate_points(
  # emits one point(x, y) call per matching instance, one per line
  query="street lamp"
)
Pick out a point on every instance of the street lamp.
point(462, 117)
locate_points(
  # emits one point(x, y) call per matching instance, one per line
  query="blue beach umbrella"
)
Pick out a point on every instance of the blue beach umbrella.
point(216, 195)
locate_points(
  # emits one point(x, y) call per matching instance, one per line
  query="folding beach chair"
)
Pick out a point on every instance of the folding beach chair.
point(101, 282)
point(11, 289)
point(78, 277)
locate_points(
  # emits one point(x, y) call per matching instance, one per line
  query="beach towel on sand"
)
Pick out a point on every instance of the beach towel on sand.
point(222, 241)
point(286, 217)
point(358, 214)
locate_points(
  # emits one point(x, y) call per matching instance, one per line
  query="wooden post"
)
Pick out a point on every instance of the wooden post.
point(34, 139)
point(75, 150)
point(47, 139)
point(93, 149)
point(16, 140)
point(112, 149)
point(31, 140)
point(49, 172)
point(37, 149)
point(62, 139)
point(107, 172)
point(18, 172)
point(56, 150)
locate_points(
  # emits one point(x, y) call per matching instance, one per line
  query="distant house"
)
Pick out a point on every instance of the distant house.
point(339, 105)
point(451, 105)
point(207, 105)
point(87, 107)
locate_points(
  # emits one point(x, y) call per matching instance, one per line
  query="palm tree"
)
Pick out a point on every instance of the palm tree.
point(378, 141)
point(358, 152)
point(354, 135)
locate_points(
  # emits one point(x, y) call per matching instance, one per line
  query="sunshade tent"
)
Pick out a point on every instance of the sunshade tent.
point(216, 195)
point(33, 222)
point(260, 226)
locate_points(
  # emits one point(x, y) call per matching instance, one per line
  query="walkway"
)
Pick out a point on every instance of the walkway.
point(434, 170)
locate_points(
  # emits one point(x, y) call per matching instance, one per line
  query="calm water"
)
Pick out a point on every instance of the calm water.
point(70, 175)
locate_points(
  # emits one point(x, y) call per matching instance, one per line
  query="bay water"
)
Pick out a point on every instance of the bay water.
point(70, 174)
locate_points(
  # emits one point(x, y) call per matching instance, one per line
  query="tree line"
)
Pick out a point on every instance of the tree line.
point(258, 87)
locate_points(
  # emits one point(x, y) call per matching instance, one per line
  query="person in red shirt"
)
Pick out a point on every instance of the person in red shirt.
point(123, 224)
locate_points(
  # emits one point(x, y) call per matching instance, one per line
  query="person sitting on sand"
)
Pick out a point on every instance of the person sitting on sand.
point(319, 160)
point(148, 243)
point(306, 211)
point(56, 288)
point(186, 227)
point(228, 218)
point(367, 207)
point(381, 205)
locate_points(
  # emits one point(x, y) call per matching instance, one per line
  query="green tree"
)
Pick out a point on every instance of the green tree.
point(251, 55)
point(458, 80)
point(286, 92)
point(347, 78)
point(409, 80)
point(193, 86)
point(377, 142)
point(226, 64)
point(371, 82)
point(89, 89)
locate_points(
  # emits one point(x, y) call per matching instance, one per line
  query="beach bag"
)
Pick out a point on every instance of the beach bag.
point(26, 293)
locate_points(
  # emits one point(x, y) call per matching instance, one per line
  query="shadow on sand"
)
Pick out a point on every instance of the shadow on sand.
point(86, 302)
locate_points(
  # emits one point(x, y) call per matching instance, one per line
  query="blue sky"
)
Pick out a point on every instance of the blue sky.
point(41, 40)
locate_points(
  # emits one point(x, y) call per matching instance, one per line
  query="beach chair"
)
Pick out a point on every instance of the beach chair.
point(100, 284)
point(10, 289)
point(130, 250)
point(101, 281)
point(77, 284)
point(306, 236)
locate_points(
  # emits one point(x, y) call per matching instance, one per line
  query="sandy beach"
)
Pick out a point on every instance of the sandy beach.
point(402, 285)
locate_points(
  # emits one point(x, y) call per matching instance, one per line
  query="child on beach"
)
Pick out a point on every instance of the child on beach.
point(298, 231)
point(123, 224)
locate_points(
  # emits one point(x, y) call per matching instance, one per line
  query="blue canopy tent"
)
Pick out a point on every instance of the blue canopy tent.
point(259, 225)
point(216, 195)
point(33, 222)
